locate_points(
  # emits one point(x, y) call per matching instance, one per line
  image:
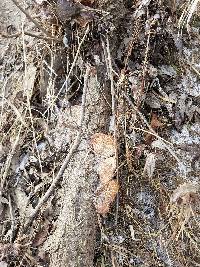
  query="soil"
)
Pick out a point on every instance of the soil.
point(127, 71)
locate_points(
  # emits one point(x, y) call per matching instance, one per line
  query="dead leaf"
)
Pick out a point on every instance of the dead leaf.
point(103, 145)
point(150, 165)
point(158, 144)
point(67, 9)
point(152, 100)
point(107, 169)
point(3, 264)
point(141, 6)
point(106, 197)
point(185, 192)
point(155, 124)
point(10, 249)
point(179, 111)
point(22, 202)
point(167, 70)
point(29, 80)
point(42, 235)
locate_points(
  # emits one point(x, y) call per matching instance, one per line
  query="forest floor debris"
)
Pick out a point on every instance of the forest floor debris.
point(144, 62)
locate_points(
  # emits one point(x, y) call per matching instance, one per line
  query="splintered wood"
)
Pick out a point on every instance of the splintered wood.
point(104, 148)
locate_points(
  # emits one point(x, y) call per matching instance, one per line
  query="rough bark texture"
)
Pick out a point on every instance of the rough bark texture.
point(73, 241)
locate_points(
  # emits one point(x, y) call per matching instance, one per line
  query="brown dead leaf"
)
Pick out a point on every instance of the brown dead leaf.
point(184, 205)
point(155, 124)
point(107, 169)
point(103, 145)
point(42, 235)
point(43, 255)
point(106, 197)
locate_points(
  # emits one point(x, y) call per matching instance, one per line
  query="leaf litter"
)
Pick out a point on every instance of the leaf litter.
point(148, 220)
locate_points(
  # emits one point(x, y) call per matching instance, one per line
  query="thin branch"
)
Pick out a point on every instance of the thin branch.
point(110, 72)
point(32, 35)
point(113, 95)
point(31, 19)
point(66, 160)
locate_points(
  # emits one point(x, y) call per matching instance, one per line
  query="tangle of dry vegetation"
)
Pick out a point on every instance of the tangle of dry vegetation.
point(99, 133)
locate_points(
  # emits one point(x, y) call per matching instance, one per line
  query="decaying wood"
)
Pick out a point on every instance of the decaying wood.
point(73, 241)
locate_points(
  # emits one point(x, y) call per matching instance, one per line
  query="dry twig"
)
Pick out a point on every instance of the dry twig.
point(113, 94)
point(32, 35)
